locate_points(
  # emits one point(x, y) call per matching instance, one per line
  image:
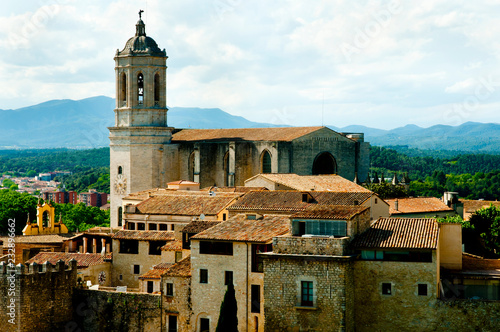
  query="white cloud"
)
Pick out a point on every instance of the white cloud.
point(283, 61)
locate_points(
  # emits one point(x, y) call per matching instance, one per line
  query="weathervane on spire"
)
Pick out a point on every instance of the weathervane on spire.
point(140, 13)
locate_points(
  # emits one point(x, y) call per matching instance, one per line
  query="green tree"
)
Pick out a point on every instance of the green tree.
point(228, 317)
point(387, 190)
point(486, 224)
point(16, 206)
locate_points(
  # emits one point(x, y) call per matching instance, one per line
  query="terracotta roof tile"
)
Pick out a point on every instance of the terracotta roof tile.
point(417, 205)
point(332, 182)
point(182, 204)
point(237, 189)
point(156, 272)
point(144, 235)
point(180, 269)
point(337, 212)
point(472, 206)
point(291, 201)
point(243, 134)
point(239, 228)
point(49, 238)
point(476, 263)
point(173, 245)
point(401, 233)
point(197, 226)
point(82, 260)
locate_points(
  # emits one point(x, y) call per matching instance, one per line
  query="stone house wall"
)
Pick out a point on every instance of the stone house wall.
point(180, 304)
point(333, 308)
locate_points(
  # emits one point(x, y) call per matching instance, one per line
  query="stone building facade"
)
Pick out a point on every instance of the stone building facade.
point(146, 153)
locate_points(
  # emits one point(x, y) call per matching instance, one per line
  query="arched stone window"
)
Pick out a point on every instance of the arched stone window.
point(265, 162)
point(226, 169)
point(120, 170)
point(157, 89)
point(120, 216)
point(140, 89)
point(324, 163)
point(191, 166)
point(46, 219)
point(123, 89)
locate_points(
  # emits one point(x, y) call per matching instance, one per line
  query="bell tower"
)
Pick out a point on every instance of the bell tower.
point(140, 133)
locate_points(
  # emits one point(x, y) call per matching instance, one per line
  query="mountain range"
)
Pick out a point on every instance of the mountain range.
point(83, 124)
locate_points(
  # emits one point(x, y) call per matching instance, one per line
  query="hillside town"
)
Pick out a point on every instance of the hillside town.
point(255, 229)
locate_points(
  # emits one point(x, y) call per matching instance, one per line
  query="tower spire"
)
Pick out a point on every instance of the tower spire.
point(140, 27)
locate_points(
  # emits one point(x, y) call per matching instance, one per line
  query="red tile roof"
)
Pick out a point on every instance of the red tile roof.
point(472, 206)
point(480, 264)
point(48, 238)
point(239, 228)
point(173, 245)
point(197, 226)
point(144, 235)
point(237, 189)
point(337, 212)
point(180, 269)
point(400, 233)
point(243, 134)
point(156, 272)
point(186, 205)
point(82, 260)
point(291, 201)
point(332, 182)
point(417, 205)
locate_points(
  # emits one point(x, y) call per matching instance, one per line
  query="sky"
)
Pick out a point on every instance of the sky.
point(382, 64)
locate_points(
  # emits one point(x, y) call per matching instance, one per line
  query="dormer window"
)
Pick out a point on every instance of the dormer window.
point(307, 198)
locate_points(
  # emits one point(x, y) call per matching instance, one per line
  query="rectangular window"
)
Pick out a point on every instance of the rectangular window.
point(172, 227)
point(386, 288)
point(141, 226)
point(228, 278)
point(137, 269)
point(422, 289)
point(150, 287)
point(129, 246)
point(306, 294)
point(152, 227)
point(204, 325)
point(163, 227)
point(257, 261)
point(203, 276)
point(216, 248)
point(155, 247)
point(178, 256)
point(326, 227)
point(255, 307)
point(131, 226)
point(170, 289)
point(186, 242)
point(172, 323)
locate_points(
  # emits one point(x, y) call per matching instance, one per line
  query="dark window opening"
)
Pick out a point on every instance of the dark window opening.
point(172, 227)
point(324, 164)
point(397, 256)
point(150, 287)
point(203, 276)
point(155, 247)
point(204, 325)
point(186, 242)
point(266, 162)
point(123, 90)
point(386, 288)
point(306, 299)
point(120, 170)
point(257, 261)
point(216, 248)
point(137, 269)
point(157, 89)
point(172, 323)
point(191, 166)
point(131, 226)
point(140, 89)
point(152, 227)
point(141, 226)
point(45, 219)
point(170, 289)
point(255, 296)
point(226, 169)
point(163, 227)
point(129, 246)
point(228, 278)
point(422, 289)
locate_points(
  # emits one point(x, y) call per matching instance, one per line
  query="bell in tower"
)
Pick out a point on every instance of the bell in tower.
point(140, 133)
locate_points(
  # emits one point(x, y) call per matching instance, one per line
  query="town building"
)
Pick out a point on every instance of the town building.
point(93, 198)
point(147, 153)
point(419, 207)
point(61, 196)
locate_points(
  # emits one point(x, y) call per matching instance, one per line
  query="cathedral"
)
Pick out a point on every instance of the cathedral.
point(146, 153)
